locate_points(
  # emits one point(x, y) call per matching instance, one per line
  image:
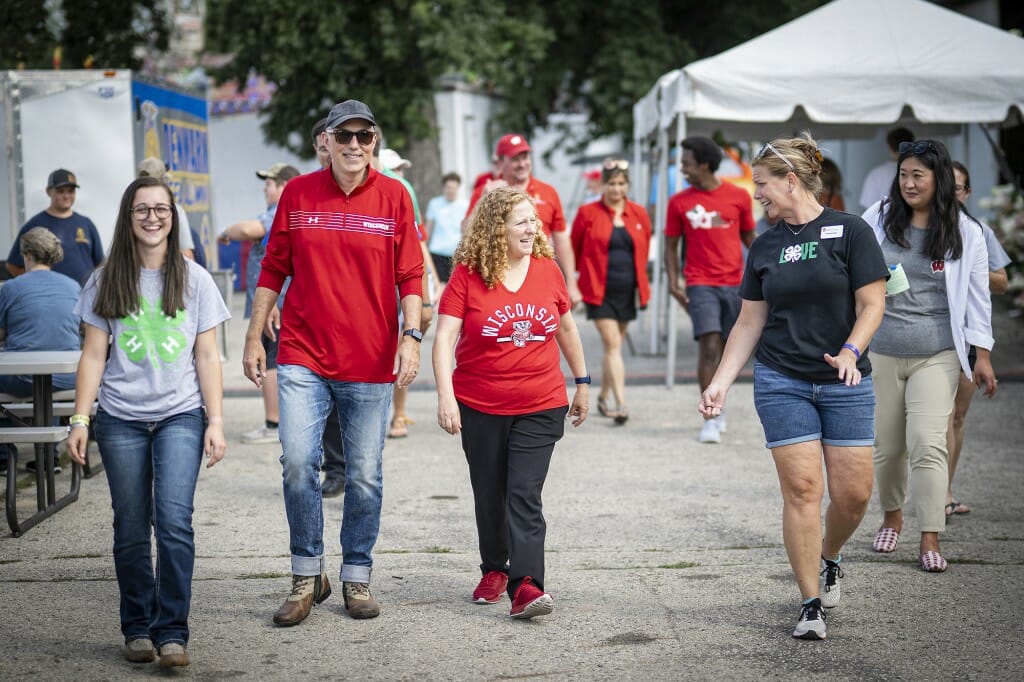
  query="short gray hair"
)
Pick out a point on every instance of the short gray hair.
point(44, 246)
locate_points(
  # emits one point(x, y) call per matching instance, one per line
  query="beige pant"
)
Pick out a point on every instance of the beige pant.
point(913, 401)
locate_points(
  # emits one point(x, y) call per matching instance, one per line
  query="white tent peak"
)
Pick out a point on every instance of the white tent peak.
point(852, 62)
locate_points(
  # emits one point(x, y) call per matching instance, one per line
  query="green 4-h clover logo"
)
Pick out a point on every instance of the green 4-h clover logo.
point(150, 333)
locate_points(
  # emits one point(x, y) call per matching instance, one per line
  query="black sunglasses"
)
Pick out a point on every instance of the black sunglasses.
point(363, 137)
point(919, 147)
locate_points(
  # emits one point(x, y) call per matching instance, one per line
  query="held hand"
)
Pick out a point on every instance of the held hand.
point(575, 295)
point(78, 441)
point(985, 377)
point(448, 416)
point(679, 293)
point(273, 323)
point(846, 362)
point(254, 361)
point(214, 443)
point(408, 361)
point(712, 400)
point(580, 405)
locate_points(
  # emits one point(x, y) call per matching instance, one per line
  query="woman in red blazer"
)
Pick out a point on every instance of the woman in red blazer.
point(610, 238)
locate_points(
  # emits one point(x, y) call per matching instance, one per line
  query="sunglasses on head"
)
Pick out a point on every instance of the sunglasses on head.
point(342, 136)
point(917, 148)
point(769, 148)
point(612, 164)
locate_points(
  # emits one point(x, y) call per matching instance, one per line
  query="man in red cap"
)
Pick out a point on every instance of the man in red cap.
point(515, 169)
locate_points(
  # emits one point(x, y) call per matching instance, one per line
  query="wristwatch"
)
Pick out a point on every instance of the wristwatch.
point(582, 380)
point(414, 333)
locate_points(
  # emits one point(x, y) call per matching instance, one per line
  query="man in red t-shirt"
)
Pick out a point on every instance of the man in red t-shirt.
point(706, 227)
point(515, 168)
point(347, 238)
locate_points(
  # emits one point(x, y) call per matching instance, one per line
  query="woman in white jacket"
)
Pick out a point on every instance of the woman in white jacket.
point(937, 307)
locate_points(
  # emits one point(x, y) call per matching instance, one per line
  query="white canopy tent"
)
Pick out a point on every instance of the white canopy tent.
point(841, 70)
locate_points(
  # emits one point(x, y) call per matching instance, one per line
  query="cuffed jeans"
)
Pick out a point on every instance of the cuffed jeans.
point(152, 468)
point(306, 398)
point(508, 458)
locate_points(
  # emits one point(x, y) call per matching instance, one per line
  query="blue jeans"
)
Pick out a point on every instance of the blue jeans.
point(798, 411)
point(152, 468)
point(306, 398)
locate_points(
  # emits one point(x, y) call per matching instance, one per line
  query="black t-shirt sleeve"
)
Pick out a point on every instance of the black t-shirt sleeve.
point(751, 285)
point(864, 259)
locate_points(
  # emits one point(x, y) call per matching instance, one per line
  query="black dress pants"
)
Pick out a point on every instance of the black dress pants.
point(508, 458)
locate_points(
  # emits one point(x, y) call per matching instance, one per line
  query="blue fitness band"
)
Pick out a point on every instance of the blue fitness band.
point(582, 380)
point(853, 349)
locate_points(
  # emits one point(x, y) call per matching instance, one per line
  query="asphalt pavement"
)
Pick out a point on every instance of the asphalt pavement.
point(664, 558)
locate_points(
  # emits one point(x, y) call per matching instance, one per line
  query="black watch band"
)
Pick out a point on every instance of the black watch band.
point(414, 333)
point(582, 380)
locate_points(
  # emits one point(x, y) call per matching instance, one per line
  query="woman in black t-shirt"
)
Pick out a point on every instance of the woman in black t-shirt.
point(813, 295)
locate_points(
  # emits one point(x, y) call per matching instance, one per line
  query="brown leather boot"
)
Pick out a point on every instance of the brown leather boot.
point(306, 591)
point(359, 601)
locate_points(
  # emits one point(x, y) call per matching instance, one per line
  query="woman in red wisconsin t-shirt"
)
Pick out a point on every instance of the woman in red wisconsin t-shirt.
point(507, 306)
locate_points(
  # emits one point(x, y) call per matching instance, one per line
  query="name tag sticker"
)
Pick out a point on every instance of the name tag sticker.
point(831, 231)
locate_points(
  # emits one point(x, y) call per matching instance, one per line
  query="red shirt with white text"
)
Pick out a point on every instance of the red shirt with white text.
point(507, 360)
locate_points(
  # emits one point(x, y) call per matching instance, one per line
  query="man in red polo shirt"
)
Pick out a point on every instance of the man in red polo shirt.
point(706, 226)
point(347, 238)
point(515, 168)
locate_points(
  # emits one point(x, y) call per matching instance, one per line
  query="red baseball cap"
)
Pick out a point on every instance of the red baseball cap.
point(511, 145)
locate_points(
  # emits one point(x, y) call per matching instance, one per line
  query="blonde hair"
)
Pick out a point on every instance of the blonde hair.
point(484, 248)
point(44, 246)
point(797, 155)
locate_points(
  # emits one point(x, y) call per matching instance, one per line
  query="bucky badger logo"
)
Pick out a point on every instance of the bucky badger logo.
point(522, 331)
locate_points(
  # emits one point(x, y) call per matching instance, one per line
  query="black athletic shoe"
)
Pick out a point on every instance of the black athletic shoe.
point(30, 466)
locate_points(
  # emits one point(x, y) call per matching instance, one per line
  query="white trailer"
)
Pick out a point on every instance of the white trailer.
point(99, 125)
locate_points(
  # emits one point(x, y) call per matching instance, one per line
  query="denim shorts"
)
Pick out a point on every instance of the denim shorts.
point(713, 310)
point(797, 411)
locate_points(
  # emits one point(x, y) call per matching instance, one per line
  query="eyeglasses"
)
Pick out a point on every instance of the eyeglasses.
point(917, 148)
point(773, 150)
point(612, 164)
point(344, 137)
point(141, 212)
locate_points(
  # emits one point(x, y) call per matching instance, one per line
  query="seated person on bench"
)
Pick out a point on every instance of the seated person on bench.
point(37, 313)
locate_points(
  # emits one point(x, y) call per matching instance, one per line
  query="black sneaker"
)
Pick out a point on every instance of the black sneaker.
point(30, 466)
point(830, 574)
point(812, 621)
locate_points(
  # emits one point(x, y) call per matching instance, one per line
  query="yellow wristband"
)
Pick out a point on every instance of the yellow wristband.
point(76, 419)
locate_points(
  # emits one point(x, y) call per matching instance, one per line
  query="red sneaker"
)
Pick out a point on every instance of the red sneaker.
point(529, 601)
point(491, 587)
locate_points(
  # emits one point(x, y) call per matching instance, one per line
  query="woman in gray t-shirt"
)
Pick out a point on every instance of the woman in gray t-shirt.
point(151, 357)
point(937, 306)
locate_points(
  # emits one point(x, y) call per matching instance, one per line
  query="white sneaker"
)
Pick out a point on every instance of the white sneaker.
point(831, 574)
point(720, 420)
point(709, 433)
point(260, 436)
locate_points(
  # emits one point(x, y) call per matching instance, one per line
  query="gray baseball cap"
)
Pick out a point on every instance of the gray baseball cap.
point(348, 110)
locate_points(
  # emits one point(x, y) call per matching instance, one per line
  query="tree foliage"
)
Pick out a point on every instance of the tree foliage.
point(100, 33)
point(540, 56)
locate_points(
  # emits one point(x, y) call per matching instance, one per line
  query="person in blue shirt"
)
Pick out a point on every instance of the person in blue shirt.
point(83, 250)
point(37, 313)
